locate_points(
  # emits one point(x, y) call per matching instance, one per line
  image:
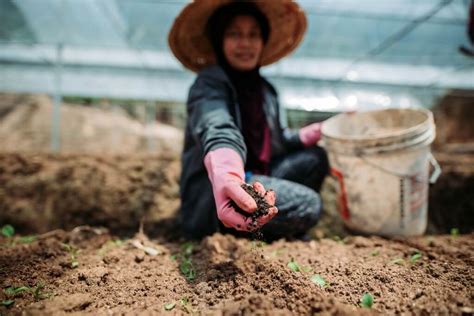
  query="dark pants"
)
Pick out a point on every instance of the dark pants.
point(296, 178)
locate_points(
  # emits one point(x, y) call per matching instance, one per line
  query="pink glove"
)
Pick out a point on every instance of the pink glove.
point(310, 134)
point(226, 172)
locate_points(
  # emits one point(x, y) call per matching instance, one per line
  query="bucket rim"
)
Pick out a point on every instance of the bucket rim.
point(405, 133)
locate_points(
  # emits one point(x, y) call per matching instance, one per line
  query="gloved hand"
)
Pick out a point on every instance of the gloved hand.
point(310, 134)
point(226, 173)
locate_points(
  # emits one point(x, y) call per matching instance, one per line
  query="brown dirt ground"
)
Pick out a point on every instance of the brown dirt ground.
point(40, 193)
point(237, 276)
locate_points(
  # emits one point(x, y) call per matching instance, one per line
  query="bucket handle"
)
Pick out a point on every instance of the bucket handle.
point(434, 174)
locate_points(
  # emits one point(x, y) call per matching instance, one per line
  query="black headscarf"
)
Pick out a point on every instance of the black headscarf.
point(248, 84)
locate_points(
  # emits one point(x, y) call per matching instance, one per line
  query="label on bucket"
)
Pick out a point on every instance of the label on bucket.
point(413, 199)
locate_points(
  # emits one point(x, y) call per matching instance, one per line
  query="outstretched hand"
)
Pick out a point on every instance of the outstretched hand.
point(242, 219)
point(226, 173)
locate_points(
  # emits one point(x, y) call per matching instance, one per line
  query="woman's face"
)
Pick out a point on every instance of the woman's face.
point(243, 43)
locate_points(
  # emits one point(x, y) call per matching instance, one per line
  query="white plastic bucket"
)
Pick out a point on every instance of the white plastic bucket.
point(381, 160)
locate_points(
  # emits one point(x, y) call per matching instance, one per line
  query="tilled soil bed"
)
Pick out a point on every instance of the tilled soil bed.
point(88, 271)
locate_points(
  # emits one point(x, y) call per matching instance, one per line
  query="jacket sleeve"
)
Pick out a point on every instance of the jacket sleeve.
point(209, 117)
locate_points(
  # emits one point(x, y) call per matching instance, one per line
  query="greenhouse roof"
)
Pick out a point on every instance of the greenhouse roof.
point(355, 53)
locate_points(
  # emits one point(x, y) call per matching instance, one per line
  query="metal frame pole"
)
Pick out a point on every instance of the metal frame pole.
point(57, 100)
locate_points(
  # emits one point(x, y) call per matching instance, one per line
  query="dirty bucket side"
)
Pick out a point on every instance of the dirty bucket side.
point(384, 190)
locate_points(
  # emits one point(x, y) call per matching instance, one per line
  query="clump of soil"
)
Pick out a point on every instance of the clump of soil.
point(262, 207)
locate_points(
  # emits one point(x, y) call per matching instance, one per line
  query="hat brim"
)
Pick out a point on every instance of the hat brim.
point(190, 45)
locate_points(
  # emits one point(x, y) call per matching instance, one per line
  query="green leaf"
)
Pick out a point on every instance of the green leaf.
point(27, 239)
point(184, 301)
point(306, 269)
point(367, 300)
point(8, 302)
point(170, 306)
point(8, 231)
point(415, 257)
point(293, 265)
point(74, 264)
point(318, 280)
point(38, 292)
point(13, 291)
point(187, 249)
point(398, 261)
point(454, 232)
point(375, 253)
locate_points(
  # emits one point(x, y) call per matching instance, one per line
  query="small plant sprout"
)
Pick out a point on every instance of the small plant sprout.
point(367, 300)
point(415, 257)
point(454, 232)
point(293, 265)
point(8, 231)
point(184, 304)
point(38, 292)
point(375, 253)
point(13, 291)
point(317, 279)
point(8, 303)
point(184, 301)
point(73, 251)
point(398, 261)
point(169, 306)
point(109, 245)
point(278, 252)
point(27, 239)
point(185, 262)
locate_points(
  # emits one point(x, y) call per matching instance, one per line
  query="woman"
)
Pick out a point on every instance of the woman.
point(235, 125)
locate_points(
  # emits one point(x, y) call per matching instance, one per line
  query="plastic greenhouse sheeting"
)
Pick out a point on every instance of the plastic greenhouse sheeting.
point(364, 53)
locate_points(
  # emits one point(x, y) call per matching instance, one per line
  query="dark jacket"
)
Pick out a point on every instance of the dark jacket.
point(214, 122)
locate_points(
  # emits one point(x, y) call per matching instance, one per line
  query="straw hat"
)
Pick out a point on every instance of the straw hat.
point(189, 43)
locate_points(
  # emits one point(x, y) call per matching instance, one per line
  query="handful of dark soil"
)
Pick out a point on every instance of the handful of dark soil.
point(262, 206)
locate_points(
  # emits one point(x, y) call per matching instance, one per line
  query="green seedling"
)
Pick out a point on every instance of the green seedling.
point(27, 239)
point(454, 232)
point(73, 252)
point(185, 262)
point(306, 269)
point(170, 306)
point(14, 291)
point(367, 300)
point(398, 261)
point(8, 303)
point(109, 245)
point(38, 292)
point(187, 249)
point(375, 253)
point(278, 252)
point(187, 269)
point(8, 231)
point(317, 279)
point(184, 304)
point(415, 257)
point(293, 265)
